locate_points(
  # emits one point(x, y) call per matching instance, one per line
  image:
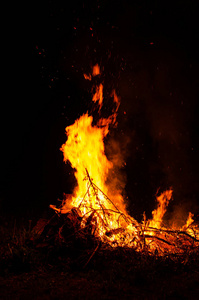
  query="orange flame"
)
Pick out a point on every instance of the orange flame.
point(85, 151)
point(96, 70)
point(158, 214)
point(87, 77)
point(98, 96)
point(190, 219)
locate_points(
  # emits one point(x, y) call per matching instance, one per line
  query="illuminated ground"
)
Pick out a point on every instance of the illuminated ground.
point(51, 273)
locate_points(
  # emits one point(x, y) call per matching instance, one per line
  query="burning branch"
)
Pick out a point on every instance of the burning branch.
point(95, 215)
point(113, 227)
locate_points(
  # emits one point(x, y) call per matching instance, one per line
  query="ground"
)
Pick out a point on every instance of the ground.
point(94, 285)
point(48, 272)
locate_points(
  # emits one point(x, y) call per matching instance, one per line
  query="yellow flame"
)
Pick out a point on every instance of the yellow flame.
point(85, 151)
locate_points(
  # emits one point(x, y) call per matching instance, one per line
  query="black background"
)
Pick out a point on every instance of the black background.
point(149, 53)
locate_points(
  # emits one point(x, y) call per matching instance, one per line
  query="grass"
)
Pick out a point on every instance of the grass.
point(16, 251)
point(56, 271)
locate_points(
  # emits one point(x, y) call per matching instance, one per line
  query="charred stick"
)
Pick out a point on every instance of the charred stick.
point(190, 236)
point(95, 250)
point(172, 232)
point(158, 238)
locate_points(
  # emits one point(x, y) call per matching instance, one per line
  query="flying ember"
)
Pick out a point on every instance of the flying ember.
point(99, 204)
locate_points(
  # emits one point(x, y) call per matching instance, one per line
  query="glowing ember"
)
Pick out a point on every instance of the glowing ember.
point(100, 206)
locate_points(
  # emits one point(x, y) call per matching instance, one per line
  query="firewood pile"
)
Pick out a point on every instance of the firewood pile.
point(86, 227)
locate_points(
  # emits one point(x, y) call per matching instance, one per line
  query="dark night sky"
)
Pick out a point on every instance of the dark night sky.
point(149, 51)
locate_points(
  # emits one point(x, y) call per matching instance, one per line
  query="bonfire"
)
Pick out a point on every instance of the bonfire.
point(98, 207)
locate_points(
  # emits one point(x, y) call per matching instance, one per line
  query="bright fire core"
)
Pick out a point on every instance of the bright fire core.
point(100, 204)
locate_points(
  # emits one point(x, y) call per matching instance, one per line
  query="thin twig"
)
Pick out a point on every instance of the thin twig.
point(95, 250)
point(96, 195)
point(158, 238)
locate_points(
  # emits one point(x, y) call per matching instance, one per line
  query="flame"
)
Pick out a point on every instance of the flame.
point(96, 70)
point(85, 151)
point(158, 214)
point(190, 219)
point(109, 220)
point(98, 95)
point(87, 77)
point(187, 227)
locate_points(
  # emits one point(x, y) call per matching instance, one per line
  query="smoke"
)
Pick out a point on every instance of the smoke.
point(116, 151)
point(157, 87)
point(170, 115)
point(160, 100)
